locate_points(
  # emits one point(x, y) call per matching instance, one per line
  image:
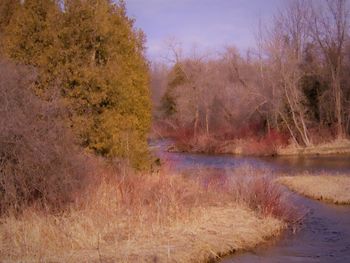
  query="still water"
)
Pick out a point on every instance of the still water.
point(324, 235)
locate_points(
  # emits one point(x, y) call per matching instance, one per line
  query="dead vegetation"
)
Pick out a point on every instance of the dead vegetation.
point(147, 218)
point(328, 188)
point(335, 147)
point(38, 160)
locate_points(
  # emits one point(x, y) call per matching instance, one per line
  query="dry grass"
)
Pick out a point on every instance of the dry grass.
point(334, 147)
point(334, 189)
point(205, 234)
point(149, 218)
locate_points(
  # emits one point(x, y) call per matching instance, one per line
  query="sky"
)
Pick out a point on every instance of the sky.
point(208, 25)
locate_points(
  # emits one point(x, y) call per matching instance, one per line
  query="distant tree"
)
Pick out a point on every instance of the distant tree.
point(168, 104)
point(284, 47)
point(329, 28)
point(159, 79)
point(175, 78)
point(312, 89)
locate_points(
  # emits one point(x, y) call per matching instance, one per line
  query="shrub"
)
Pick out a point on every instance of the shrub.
point(258, 189)
point(39, 163)
point(264, 145)
point(255, 188)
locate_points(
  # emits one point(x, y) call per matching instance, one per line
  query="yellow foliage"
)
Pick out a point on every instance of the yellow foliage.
point(93, 56)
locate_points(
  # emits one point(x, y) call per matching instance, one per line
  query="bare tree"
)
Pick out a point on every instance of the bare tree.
point(193, 92)
point(159, 75)
point(329, 29)
point(284, 48)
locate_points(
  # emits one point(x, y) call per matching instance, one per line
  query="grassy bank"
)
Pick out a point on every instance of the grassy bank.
point(206, 144)
point(334, 147)
point(150, 218)
point(334, 189)
point(255, 147)
point(247, 143)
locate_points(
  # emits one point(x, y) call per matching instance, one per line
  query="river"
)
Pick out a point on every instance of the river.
point(323, 236)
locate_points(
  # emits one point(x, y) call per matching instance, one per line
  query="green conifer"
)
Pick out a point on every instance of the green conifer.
point(91, 53)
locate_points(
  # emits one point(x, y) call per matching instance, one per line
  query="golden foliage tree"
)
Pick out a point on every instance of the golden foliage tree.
point(92, 52)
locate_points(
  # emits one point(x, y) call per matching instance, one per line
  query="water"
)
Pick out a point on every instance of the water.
point(324, 235)
point(291, 165)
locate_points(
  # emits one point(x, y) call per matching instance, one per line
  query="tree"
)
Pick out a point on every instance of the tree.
point(7, 9)
point(159, 75)
point(188, 86)
point(285, 46)
point(106, 78)
point(30, 32)
point(329, 29)
point(94, 57)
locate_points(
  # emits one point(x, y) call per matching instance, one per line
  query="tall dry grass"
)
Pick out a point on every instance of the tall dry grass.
point(150, 218)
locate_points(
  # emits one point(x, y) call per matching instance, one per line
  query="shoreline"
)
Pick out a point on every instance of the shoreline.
point(209, 235)
point(123, 221)
point(333, 189)
point(333, 148)
point(328, 149)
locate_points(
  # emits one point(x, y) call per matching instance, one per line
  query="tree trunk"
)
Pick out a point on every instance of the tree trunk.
point(196, 120)
point(305, 132)
point(301, 130)
point(289, 129)
point(338, 105)
point(207, 120)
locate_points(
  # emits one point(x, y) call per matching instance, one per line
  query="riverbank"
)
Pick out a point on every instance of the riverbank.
point(150, 218)
point(331, 148)
point(253, 147)
point(334, 189)
point(206, 234)
point(208, 145)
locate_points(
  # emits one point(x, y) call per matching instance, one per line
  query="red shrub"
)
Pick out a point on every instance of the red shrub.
point(253, 187)
point(261, 193)
point(266, 145)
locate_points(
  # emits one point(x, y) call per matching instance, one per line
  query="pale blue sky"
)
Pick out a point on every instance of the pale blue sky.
point(210, 24)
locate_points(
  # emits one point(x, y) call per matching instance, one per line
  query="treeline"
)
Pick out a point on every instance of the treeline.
point(295, 83)
point(88, 55)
